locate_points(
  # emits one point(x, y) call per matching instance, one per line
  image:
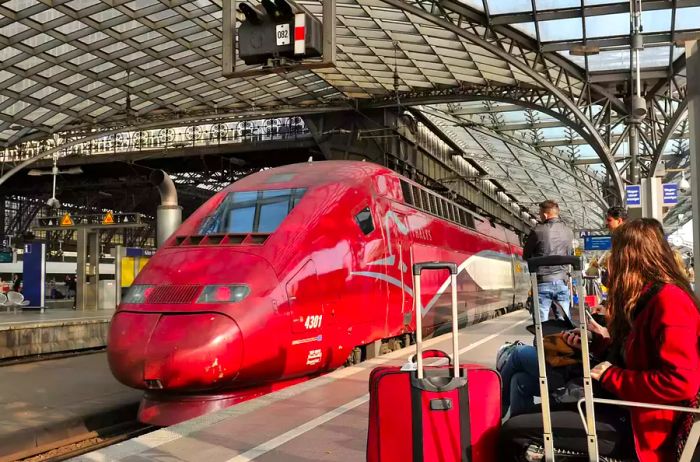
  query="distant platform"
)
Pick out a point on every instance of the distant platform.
point(30, 333)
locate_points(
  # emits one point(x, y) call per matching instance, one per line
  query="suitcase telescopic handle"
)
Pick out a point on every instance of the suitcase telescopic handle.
point(554, 260)
point(434, 265)
point(418, 306)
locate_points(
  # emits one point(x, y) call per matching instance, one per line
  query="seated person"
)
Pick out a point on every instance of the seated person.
point(655, 344)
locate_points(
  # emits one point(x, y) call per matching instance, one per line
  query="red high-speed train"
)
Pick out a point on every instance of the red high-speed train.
point(283, 274)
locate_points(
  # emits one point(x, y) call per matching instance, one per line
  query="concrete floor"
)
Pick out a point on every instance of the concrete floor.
point(324, 419)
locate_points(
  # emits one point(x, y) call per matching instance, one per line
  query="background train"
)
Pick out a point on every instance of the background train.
point(283, 274)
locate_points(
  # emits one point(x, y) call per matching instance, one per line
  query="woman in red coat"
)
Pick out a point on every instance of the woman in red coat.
point(653, 331)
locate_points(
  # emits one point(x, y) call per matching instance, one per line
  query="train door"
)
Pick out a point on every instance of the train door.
point(306, 311)
point(398, 271)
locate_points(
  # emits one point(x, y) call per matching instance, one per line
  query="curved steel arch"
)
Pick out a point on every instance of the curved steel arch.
point(681, 110)
point(545, 157)
point(586, 127)
point(469, 94)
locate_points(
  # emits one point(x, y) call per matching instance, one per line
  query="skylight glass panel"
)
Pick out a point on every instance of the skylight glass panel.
point(607, 25)
point(553, 4)
point(526, 27)
point(655, 57)
point(19, 5)
point(19, 106)
point(61, 50)
point(8, 52)
point(657, 20)
point(13, 28)
point(688, 18)
point(509, 6)
point(476, 4)
point(47, 15)
point(71, 27)
point(37, 40)
point(609, 60)
point(602, 2)
point(78, 5)
point(34, 115)
point(561, 29)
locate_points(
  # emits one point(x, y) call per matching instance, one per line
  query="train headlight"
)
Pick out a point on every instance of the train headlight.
point(138, 293)
point(226, 293)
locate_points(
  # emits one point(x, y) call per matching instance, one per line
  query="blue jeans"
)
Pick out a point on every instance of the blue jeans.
point(554, 290)
point(521, 383)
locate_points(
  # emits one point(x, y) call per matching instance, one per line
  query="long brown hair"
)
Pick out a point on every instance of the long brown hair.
point(640, 256)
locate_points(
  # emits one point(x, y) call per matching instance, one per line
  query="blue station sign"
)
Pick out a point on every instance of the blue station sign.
point(597, 242)
point(633, 193)
point(670, 193)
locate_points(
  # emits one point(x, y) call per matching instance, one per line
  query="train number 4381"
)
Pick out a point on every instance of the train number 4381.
point(313, 322)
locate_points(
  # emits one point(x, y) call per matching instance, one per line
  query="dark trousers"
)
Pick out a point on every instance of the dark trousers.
point(613, 428)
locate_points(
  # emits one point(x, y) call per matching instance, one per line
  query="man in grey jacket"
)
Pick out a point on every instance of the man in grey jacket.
point(551, 237)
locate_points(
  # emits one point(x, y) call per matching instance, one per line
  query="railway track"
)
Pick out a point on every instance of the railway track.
point(82, 444)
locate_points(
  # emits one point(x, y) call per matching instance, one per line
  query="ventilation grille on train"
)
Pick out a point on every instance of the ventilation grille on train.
point(174, 294)
point(222, 239)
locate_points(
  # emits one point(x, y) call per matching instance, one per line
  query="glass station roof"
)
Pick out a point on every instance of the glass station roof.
point(85, 65)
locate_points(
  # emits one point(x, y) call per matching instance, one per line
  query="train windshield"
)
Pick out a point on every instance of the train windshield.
point(252, 211)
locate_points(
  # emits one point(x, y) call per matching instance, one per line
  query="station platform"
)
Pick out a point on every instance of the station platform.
point(30, 333)
point(59, 400)
point(324, 419)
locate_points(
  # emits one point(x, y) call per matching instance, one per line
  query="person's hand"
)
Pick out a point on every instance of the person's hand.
point(572, 338)
point(596, 328)
point(598, 371)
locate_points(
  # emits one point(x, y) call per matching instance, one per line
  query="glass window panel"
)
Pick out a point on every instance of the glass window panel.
point(607, 25)
point(272, 214)
point(364, 220)
point(510, 6)
point(240, 220)
point(561, 29)
point(688, 18)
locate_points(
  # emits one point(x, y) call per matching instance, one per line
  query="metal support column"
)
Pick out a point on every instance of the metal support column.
point(692, 59)
point(81, 276)
point(94, 273)
point(634, 152)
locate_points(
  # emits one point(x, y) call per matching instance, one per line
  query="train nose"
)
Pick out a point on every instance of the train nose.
point(194, 351)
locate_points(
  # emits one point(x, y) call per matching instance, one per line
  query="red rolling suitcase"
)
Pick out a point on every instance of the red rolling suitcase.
point(447, 413)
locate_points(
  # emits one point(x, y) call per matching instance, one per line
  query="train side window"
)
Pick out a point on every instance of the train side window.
point(407, 194)
point(425, 200)
point(470, 220)
point(364, 220)
point(463, 217)
point(416, 197)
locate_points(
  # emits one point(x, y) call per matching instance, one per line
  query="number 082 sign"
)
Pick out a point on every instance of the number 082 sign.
point(282, 34)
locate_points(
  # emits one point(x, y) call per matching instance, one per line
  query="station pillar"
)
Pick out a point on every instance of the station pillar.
point(692, 59)
point(88, 269)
